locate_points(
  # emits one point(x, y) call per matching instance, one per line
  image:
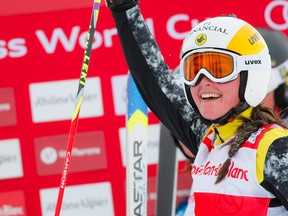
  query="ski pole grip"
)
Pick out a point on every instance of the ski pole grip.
point(121, 5)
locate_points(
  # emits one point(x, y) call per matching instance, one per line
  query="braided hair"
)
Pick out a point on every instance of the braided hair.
point(260, 117)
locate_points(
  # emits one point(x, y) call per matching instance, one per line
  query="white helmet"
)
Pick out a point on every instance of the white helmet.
point(232, 35)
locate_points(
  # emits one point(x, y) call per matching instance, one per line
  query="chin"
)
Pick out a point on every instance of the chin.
point(213, 116)
point(210, 115)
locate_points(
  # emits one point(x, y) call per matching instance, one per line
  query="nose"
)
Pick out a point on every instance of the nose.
point(203, 80)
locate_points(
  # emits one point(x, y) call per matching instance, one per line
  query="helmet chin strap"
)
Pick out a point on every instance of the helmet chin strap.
point(225, 118)
point(221, 120)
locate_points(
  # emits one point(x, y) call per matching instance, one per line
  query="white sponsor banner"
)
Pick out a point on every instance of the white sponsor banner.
point(119, 89)
point(88, 200)
point(55, 100)
point(153, 145)
point(10, 159)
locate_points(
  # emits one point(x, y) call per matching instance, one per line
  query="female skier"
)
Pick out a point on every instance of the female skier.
point(241, 166)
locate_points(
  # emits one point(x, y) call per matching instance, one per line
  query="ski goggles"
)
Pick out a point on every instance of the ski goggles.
point(219, 65)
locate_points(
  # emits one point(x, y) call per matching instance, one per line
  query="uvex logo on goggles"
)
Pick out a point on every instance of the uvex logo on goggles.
point(251, 62)
point(218, 65)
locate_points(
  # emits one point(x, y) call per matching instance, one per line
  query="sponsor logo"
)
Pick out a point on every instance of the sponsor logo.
point(88, 200)
point(10, 159)
point(201, 39)
point(12, 204)
point(48, 155)
point(7, 107)
point(252, 62)
point(212, 170)
point(138, 171)
point(88, 153)
point(271, 15)
point(254, 38)
point(55, 101)
point(208, 27)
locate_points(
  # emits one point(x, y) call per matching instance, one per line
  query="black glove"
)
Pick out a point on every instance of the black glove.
point(121, 5)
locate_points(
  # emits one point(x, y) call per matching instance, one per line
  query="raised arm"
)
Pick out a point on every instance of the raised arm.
point(152, 76)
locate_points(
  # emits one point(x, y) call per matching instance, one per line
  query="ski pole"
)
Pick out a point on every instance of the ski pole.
point(79, 98)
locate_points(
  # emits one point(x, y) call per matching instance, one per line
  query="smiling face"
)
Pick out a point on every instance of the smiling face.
point(215, 99)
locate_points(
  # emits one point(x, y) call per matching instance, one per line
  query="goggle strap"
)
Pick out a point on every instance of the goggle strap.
point(253, 62)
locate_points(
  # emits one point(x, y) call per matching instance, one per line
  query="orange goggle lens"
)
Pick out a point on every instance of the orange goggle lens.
point(219, 65)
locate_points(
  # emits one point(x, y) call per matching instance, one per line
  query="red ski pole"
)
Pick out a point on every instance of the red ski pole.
point(79, 98)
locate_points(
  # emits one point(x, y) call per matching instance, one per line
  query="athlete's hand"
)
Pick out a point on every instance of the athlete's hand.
point(121, 5)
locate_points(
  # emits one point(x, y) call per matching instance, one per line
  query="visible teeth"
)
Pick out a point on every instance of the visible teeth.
point(210, 95)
